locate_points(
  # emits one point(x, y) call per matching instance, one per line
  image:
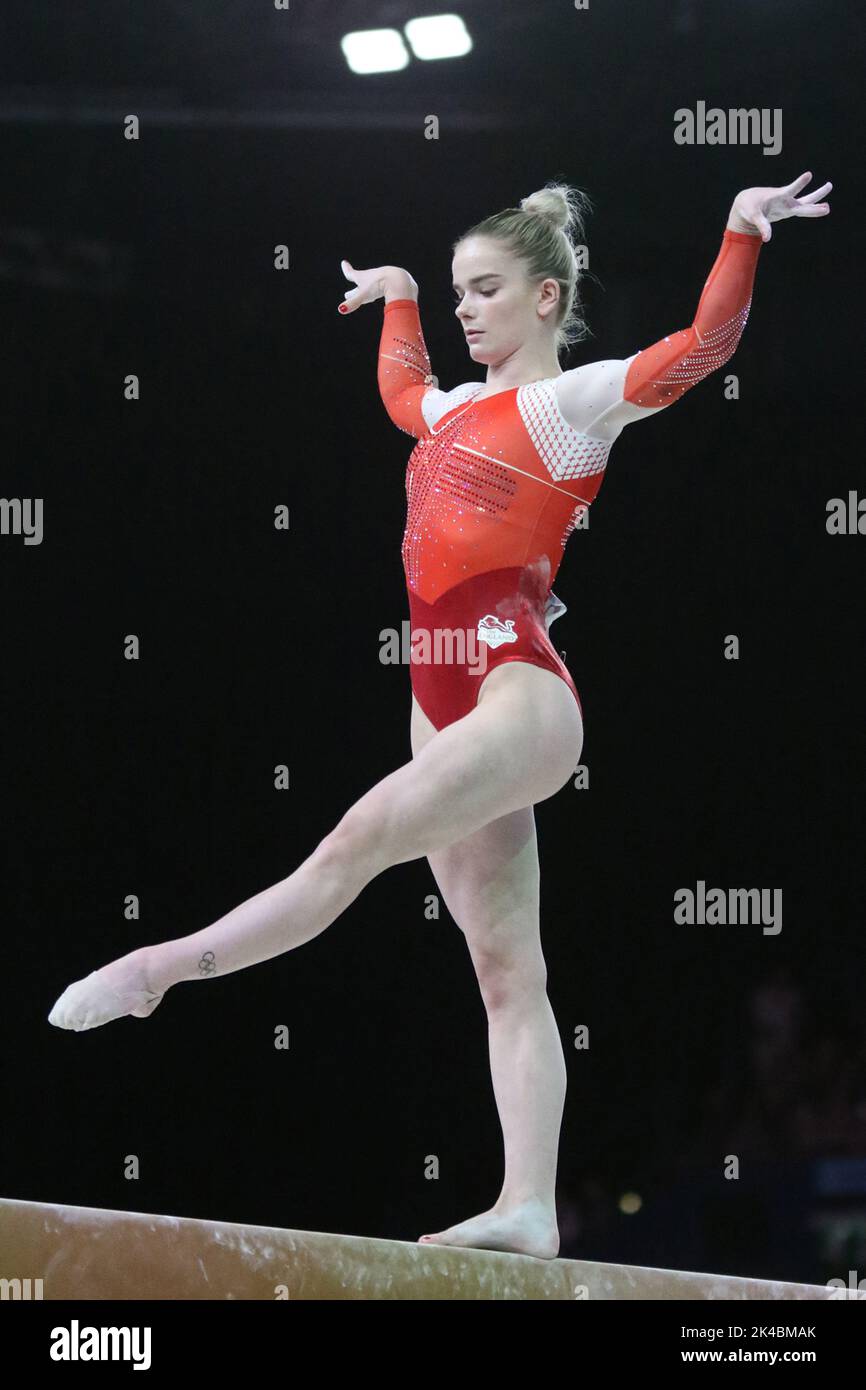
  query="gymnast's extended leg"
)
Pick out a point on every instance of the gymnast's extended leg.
point(518, 746)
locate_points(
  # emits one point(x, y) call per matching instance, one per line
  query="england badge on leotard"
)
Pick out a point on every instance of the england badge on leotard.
point(494, 632)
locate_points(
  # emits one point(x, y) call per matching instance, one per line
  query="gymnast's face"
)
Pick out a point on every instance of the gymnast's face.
point(499, 308)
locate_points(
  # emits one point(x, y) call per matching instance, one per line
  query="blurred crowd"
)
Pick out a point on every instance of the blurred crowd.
point(791, 1089)
point(796, 1089)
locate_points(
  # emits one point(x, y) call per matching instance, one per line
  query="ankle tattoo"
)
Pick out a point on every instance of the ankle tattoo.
point(207, 964)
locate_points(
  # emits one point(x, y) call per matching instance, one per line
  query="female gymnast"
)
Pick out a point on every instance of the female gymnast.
point(501, 472)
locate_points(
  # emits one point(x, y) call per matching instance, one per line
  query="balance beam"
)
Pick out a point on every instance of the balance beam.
point(90, 1253)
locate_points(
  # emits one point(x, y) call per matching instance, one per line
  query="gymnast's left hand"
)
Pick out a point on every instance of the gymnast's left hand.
point(756, 208)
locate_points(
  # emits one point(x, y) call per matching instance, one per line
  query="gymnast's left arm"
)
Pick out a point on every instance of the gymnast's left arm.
point(601, 397)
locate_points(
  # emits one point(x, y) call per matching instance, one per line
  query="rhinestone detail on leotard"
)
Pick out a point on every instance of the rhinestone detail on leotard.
point(447, 493)
point(712, 351)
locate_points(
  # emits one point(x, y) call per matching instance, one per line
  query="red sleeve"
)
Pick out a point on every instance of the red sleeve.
point(404, 366)
point(662, 373)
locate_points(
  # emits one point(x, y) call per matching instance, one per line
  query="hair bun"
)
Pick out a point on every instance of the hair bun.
point(560, 205)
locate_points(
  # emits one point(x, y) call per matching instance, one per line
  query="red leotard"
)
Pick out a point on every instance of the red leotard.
point(496, 486)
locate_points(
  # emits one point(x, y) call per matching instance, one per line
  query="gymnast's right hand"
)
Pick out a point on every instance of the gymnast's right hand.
point(389, 280)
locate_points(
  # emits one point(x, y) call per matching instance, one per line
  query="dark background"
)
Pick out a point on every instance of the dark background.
point(261, 647)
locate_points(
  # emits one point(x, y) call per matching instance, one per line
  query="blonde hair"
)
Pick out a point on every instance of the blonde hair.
point(544, 233)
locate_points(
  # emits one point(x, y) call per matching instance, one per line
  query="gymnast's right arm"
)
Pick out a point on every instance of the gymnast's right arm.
point(404, 373)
